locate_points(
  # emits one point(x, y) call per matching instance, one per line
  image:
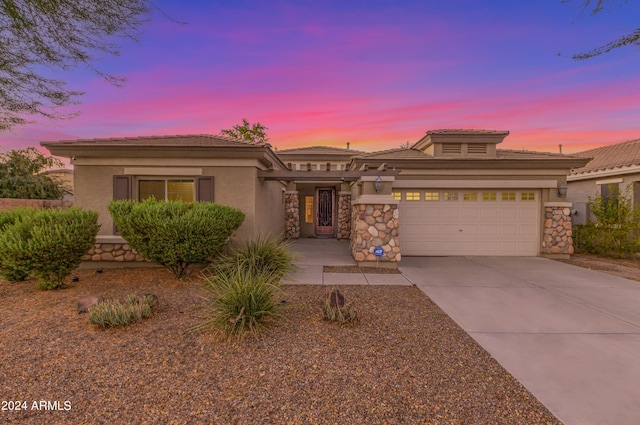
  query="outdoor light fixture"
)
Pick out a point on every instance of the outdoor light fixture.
point(378, 184)
point(562, 191)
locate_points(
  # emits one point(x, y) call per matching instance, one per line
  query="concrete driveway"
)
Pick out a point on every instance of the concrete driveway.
point(570, 335)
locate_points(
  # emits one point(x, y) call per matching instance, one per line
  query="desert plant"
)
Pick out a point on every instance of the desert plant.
point(113, 313)
point(264, 255)
point(48, 244)
point(335, 309)
point(616, 227)
point(241, 301)
point(175, 234)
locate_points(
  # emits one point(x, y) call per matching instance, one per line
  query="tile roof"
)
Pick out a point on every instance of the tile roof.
point(466, 131)
point(193, 140)
point(318, 150)
point(609, 157)
point(402, 153)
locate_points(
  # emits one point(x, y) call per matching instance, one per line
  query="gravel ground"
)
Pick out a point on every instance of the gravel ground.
point(405, 362)
point(629, 268)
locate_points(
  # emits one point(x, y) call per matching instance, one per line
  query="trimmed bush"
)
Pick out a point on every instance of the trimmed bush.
point(175, 234)
point(265, 255)
point(113, 313)
point(8, 218)
point(241, 302)
point(48, 244)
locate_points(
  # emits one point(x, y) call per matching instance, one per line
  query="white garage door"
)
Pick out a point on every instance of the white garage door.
point(469, 222)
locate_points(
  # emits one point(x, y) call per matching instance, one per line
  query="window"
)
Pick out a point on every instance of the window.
point(412, 196)
point(308, 209)
point(397, 196)
point(470, 196)
point(489, 196)
point(508, 196)
point(167, 189)
point(528, 196)
point(610, 191)
point(450, 196)
point(431, 196)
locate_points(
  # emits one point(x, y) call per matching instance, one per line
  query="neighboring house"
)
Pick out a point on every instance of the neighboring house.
point(612, 168)
point(451, 193)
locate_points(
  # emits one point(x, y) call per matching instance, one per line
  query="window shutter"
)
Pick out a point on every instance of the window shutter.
point(121, 188)
point(204, 189)
point(121, 191)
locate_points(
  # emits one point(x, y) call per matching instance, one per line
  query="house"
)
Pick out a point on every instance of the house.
point(453, 192)
point(612, 168)
point(65, 177)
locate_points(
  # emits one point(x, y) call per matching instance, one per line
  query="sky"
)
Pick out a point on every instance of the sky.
point(372, 73)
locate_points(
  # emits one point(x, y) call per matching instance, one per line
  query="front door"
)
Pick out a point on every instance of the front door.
point(324, 212)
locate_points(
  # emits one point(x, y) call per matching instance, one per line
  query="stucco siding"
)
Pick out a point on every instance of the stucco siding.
point(93, 190)
point(270, 204)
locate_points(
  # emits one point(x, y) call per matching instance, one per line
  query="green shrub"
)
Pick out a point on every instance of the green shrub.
point(175, 234)
point(616, 229)
point(241, 301)
point(48, 244)
point(8, 218)
point(265, 255)
point(113, 313)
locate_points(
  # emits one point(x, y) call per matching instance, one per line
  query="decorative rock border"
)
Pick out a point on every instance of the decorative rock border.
point(291, 215)
point(113, 252)
point(557, 238)
point(375, 225)
point(344, 215)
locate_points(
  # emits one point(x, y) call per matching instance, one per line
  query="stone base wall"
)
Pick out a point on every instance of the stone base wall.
point(10, 203)
point(372, 226)
point(112, 252)
point(344, 216)
point(291, 215)
point(557, 238)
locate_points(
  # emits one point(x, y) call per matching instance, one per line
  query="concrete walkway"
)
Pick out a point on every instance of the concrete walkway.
point(314, 254)
point(570, 335)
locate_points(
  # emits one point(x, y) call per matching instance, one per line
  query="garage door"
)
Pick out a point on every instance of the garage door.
point(469, 222)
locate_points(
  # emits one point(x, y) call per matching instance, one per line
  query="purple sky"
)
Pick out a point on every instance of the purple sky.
point(372, 73)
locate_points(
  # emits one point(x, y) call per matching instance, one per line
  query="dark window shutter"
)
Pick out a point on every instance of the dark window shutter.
point(204, 189)
point(121, 188)
point(121, 191)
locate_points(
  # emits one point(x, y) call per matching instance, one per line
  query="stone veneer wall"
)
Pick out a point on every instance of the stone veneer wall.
point(112, 252)
point(344, 216)
point(291, 215)
point(557, 238)
point(375, 225)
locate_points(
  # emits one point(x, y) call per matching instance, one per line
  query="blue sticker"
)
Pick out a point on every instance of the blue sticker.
point(378, 251)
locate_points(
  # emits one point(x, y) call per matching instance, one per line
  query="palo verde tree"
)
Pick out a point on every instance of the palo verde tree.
point(21, 175)
point(595, 7)
point(41, 38)
point(247, 131)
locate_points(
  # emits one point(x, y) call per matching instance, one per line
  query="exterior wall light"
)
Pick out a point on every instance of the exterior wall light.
point(562, 191)
point(378, 184)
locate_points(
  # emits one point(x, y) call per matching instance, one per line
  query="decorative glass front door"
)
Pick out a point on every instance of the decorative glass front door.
point(324, 212)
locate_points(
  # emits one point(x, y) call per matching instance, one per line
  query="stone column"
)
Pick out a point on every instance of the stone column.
point(557, 237)
point(291, 215)
point(344, 215)
point(375, 225)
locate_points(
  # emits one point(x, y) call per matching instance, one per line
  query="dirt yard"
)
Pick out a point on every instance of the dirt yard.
point(405, 362)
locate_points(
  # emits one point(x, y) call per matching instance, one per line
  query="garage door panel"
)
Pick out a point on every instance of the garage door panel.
point(470, 227)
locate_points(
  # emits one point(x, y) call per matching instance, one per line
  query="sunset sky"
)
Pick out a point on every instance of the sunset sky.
point(372, 73)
